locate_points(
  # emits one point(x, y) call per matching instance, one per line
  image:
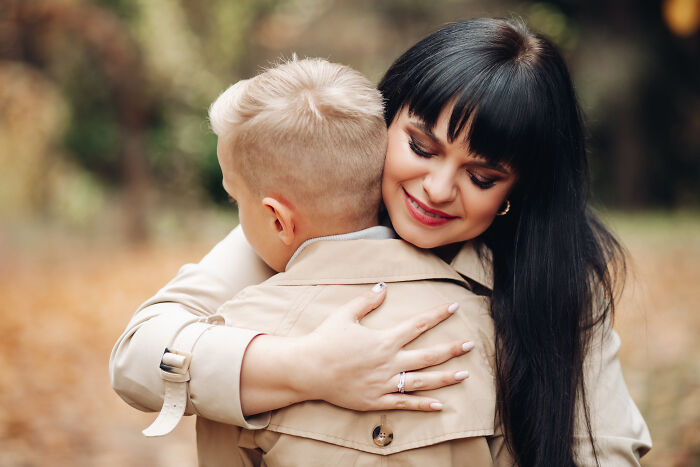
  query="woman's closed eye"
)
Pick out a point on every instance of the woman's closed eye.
point(423, 150)
point(481, 181)
point(418, 148)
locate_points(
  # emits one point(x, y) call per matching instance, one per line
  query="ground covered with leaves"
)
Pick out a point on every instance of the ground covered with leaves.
point(66, 300)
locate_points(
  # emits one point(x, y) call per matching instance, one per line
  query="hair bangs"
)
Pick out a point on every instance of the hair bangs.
point(490, 111)
point(506, 126)
point(434, 91)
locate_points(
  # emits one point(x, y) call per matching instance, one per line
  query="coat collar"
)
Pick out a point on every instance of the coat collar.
point(363, 262)
point(471, 264)
point(378, 232)
point(383, 261)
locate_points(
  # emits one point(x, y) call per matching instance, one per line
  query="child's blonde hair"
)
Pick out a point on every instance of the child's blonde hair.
point(309, 130)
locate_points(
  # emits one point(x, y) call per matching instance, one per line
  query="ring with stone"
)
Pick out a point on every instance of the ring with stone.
point(402, 382)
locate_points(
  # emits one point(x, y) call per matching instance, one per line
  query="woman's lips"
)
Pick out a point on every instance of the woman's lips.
point(424, 214)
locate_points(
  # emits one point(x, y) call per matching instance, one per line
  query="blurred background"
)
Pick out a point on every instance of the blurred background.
point(109, 182)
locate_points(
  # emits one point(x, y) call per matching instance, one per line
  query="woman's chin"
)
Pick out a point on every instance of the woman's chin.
point(418, 237)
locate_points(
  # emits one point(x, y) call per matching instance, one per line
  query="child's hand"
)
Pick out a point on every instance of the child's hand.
point(355, 367)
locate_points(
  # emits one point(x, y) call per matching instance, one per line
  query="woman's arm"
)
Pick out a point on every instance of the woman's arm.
point(340, 362)
point(620, 433)
point(196, 292)
point(347, 364)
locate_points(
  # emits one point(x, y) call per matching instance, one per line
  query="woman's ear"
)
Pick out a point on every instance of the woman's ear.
point(283, 218)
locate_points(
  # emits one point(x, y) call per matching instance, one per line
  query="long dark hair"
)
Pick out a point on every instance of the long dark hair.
point(554, 263)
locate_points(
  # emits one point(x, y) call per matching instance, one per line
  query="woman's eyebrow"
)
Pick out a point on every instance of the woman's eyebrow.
point(421, 125)
point(488, 165)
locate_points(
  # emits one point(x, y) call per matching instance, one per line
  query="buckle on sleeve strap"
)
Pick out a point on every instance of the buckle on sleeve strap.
point(174, 369)
point(175, 361)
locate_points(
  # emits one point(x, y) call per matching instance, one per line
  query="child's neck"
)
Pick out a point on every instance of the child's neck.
point(324, 230)
point(380, 233)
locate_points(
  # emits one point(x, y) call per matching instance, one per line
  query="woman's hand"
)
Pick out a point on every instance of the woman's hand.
point(355, 367)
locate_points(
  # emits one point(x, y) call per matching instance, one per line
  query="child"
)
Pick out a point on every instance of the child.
point(301, 148)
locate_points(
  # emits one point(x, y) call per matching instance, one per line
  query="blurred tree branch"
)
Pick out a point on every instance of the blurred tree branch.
point(29, 34)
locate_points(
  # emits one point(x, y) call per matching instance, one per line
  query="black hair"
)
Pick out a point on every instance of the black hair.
point(554, 263)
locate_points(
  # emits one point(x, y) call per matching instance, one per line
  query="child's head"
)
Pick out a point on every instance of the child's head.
point(301, 148)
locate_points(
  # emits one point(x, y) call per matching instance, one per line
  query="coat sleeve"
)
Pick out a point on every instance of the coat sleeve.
point(196, 292)
point(620, 433)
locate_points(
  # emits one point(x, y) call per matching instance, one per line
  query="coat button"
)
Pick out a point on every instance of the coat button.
point(382, 435)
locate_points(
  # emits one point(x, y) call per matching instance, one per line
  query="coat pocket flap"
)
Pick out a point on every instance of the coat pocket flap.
point(468, 412)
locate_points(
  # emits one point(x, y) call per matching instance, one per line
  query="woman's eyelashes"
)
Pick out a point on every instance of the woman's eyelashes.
point(417, 148)
point(481, 182)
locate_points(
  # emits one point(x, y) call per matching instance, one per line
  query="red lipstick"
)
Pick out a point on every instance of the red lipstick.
point(424, 214)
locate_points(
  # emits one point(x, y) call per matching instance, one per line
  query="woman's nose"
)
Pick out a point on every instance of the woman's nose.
point(440, 187)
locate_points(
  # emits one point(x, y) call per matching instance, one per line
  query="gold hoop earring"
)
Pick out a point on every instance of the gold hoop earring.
point(505, 210)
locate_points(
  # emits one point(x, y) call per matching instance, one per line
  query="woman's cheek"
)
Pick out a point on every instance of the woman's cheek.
point(481, 206)
point(396, 166)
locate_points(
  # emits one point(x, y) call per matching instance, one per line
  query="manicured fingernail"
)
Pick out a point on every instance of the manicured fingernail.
point(378, 287)
point(467, 346)
point(452, 308)
point(436, 406)
point(460, 375)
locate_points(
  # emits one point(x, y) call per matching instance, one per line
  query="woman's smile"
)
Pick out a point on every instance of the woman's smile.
point(422, 213)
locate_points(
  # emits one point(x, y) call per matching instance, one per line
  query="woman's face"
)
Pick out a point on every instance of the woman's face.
point(438, 192)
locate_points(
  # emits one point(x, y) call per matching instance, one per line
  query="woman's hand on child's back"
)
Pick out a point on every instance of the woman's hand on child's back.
point(358, 368)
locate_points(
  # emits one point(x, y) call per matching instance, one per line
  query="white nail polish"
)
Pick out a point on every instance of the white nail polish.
point(460, 375)
point(436, 406)
point(467, 346)
point(452, 308)
point(378, 287)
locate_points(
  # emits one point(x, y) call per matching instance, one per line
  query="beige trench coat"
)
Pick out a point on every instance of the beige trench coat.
point(200, 289)
point(317, 433)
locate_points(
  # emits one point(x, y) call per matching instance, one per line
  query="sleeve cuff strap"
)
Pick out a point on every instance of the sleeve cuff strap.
point(216, 374)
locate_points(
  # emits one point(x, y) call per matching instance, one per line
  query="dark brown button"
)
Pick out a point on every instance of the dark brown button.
point(382, 435)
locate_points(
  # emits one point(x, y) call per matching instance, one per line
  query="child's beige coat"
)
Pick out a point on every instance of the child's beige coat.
point(319, 434)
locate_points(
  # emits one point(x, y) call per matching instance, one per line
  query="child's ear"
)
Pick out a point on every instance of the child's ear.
point(283, 219)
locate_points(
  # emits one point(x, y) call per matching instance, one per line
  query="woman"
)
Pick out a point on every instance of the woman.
point(483, 121)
